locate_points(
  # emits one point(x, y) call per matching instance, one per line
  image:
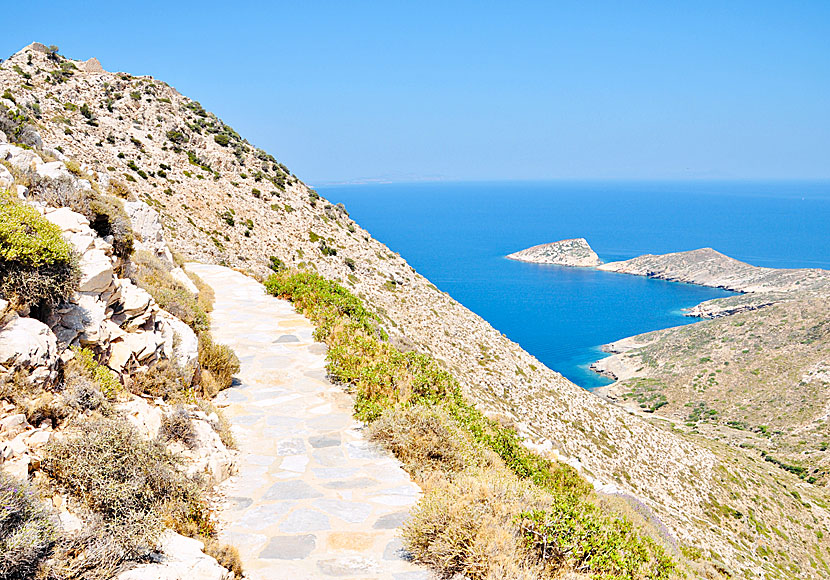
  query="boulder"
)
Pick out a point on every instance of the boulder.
point(140, 346)
point(28, 344)
point(148, 230)
point(180, 558)
point(209, 456)
point(3, 138)
point(143, 416)
point(6, 177)
point(96, 271)
point(13, 424)
point(134, 300)
point(23, 159)
point(67, 220)
point(145, 221)
point(53, 170)
point(93, 65)
point(180, 342)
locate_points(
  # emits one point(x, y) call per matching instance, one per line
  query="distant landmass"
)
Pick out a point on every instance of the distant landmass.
point(573, 252)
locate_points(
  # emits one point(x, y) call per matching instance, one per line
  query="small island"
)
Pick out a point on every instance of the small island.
point(574, 252)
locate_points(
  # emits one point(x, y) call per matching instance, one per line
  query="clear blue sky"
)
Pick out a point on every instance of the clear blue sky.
point(483, 90)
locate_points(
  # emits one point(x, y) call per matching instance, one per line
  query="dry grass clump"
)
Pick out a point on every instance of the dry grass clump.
point(135, 485)
point(162, 379)
point(149, 273)
point(468, 526)
point(426, 440)
point(27, 530)
point(218, 360)
point(226, 555)
point(177, 426)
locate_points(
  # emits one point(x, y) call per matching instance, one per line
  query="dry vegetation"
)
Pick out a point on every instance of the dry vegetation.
point(492, 508)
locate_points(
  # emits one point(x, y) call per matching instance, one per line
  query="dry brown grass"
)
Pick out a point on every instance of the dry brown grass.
point(426, 440)
point(218, 359)
point(468, 526)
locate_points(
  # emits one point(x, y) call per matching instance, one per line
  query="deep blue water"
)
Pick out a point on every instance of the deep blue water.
point(457, 234)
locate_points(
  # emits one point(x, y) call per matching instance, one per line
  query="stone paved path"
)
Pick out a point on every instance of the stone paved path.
point(312, 498)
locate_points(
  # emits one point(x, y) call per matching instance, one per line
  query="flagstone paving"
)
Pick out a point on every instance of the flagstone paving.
point(312, 498)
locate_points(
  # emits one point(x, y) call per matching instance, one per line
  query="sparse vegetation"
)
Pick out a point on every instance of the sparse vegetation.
point(27, 530)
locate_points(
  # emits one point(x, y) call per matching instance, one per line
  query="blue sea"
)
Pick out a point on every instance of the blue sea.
point(457, 234)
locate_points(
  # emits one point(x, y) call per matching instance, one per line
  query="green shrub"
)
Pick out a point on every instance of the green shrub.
point(578, 535)
point(135, 485)
point(27, 530)
point(37, 266)
point(222, 140)
point(219, 360)
point(106, 379)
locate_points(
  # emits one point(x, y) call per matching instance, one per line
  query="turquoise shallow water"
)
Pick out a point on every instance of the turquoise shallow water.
point(457, 234)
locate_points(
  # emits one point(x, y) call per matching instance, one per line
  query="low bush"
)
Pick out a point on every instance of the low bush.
point(177, 426)
point(162, 379)
point(37, 266)
point(135, 485)
point(217, 359)
point(468, 527)
point(27, 531)
point(426, 440)
point(86, 364)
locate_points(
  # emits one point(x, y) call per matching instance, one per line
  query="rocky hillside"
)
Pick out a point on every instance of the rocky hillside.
point(574, 252)
point(755, 377)
point(84, 414)
point(708, 267)
point(222, 200)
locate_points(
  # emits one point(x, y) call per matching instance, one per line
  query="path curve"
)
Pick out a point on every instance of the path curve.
point(312, 498)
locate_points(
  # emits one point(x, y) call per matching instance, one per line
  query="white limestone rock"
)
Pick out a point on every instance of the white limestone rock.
point(142, 415)
point(23, 159)
point(180, 558)
point(182, 278)
point(67, 220)
point(96, 271)
point(53, 170)
point(208, 455)
point(180, 342)
point(28, 344)
point(6, 177)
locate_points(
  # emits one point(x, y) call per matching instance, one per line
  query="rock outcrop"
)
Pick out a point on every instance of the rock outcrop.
point(575, 252)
